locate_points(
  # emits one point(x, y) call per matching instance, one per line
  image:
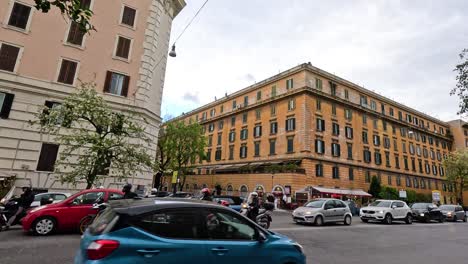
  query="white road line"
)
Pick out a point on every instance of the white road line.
point(312, 228)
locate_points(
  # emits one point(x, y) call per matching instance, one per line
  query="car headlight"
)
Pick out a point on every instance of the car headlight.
point(308, 213)
point(299, 248)
point(380, 212)
point(37, 209)
point(244, 206)
point(421, 214)
point(3, 201)
point(449, 213)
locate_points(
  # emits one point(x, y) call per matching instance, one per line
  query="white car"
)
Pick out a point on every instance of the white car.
point(387, 211)
point(56, 197)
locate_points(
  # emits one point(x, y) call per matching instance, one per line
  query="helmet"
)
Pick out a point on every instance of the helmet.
point(206, 191)
point(154, 190)
point(127, 187)
point(254, 193)
point(223, 202)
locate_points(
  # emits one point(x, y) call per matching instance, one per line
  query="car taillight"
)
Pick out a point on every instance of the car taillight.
point(101, 248)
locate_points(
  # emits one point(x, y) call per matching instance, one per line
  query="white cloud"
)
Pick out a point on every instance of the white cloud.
point(400, 49)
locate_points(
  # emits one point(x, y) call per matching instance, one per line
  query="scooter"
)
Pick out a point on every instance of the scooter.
point(89, 219)
point(263, 218)
point(8, 210)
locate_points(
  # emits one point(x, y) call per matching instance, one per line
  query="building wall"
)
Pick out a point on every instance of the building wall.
point(43, 45)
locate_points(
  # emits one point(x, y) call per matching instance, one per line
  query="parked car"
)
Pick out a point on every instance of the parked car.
point(67, 214)
point(453, 212)
point(181, 195)
point(50, 196)
point(387, 211)
point(321, 211)
point(164, 230)
point(426, 212)
point(235, 202)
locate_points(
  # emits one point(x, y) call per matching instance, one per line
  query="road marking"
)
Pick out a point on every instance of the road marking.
point(372, 225)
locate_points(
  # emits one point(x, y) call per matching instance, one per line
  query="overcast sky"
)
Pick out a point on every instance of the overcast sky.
point(404, 50)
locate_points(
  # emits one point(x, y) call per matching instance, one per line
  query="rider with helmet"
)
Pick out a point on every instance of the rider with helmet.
point(127, 190)
point(254, 206)
point(206, 195)
point(24, 203)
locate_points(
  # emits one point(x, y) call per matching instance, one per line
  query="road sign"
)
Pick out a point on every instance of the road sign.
point(436, 196)
point(402, 194)
point(174, 177)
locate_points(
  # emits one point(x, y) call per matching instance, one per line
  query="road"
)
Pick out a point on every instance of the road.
point(359, 243)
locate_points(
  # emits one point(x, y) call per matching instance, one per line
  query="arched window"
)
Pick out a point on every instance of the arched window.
point(229, 189)
point(243, 191)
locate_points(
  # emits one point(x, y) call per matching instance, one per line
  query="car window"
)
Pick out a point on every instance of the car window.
point(379, 203)
point(38, 197)
point(447, 207)
point(177, 224)
point(330, 204)
point(88, 198)
point(222, 225)
point(229, 200)
point(315, 204)
point(340, 204)
point(115, 196)
point(59, 197)
point(459, 209)
point(400, 204)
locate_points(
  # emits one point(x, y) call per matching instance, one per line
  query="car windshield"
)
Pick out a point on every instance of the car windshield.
point(420, 205)
point(381, 204)
point(447, 207)
point(315, 204)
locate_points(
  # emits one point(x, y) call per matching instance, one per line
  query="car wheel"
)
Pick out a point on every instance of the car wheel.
point(44, 226)
point(455, 219)
point(464, 219)
point(364, 220)
point(441, 219)
point(85, 222)
point(347, 220)
point(388, 219)
point(409, 219)
point(319, 220)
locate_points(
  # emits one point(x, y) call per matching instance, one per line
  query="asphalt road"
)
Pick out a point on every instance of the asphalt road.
point(359, 243)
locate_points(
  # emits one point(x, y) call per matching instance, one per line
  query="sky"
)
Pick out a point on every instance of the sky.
point(404, 50)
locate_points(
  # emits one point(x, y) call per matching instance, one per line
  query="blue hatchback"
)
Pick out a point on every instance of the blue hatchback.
point(181, 231)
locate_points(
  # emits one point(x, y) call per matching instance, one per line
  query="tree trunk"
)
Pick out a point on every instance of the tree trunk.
point(181, 186)
point(461, 191)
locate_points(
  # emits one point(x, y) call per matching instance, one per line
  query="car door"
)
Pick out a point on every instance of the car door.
point(232, 239)
point(167, 236)
point(402, 210)
point(81, 206)
point(329, 211)
point(459, 212)
point(395, 210)
point(340, 208)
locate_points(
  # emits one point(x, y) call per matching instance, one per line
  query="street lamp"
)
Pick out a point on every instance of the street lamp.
point(172, 53)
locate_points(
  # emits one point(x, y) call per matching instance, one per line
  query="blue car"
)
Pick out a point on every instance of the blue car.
point(235, 202)
point(181, 231)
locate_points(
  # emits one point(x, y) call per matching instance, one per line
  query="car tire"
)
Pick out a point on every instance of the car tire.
point(44, 226)
point(455, 219)
point(318, 221)
point(348, 220)
point(365, 220)
point(441, 219)
point(409, 219)
point(85, 222)
point(388, 219)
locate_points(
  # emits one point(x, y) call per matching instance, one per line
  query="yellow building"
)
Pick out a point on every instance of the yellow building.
point(307, 130)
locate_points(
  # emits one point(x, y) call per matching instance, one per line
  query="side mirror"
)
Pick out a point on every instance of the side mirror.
point(394, 206)
point(261, 237)
point(45, 201)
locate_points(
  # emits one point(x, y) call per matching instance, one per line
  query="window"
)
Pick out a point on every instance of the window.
point(425, 153)
point(259, 95)
point(289, 84)
point(88, 198)
point(208, 155)
point(386, 142)
point(403, 132)
point(420, 166)
point(8, 57)
point(272, 147)
point(319, 146)
point(376, 140)
point(418, 150)
point(6, 102)
point(220, 124)
point(400, 116)
point(431, 141)
point(434, 169)
point(364, 137)
point(258, 131)
point(335, 149)
point(19, 15)
point(389, 179)
point(429, 185)
point(391, 111)
point(335, 172)
point(290, 124)
point(384, 125)
point(232, 136)
point(47, 157)
point(291, 104)
point(273, 91)
point(411, 148)
point(367, 155)
point(215, 222)
point(350, 151)
point(348, 114)
point(116, 83)
point(123, 47)
point(212, 112)
point(67, 72)
point(320, 124)
point(364, 119)
point(256, 148)
point(218, 154)
point(243, 134)
point(75, 34)
point(273, 110)
point(211, 127)
point(273, 128)
point(244, 118)
point(413, 164)
point(415, 183)
point(398, 180)
point(203, 116)
point(395, 145)
point(393, 129)
point(405, 161)
point(333, 88)
point(439, 157)
point(53, 105)
point(351, 174)
point(367, 176)
point(258, 114)
point(231, 152)
point(382, 107)
point(234, 104)
point(319, 170)
point(243, 151)
point(318, 83)
point(128, 16)
point(290, 141)
point(408, 181)
point(375, 122)
point(318, 104)
point(373, 105)
point(346, 94)
point(387, 158)
point(432, 154)
point(349, 132)
point(220, 136)
point(334, 109)
point(441, 170)
point(335, 129)
point(403, 146)
point(378, 158)
point(397, 161)
point(246, 101)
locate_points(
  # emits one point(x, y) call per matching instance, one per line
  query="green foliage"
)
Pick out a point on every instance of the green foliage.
point(411, 196)
point(375, 187)
point(180, 146)
point(456, 166)
point(389, 193)
point(96, 136)
point(461, 88)
point(73, 9)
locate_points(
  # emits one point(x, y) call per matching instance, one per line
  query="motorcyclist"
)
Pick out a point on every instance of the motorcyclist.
point(24, 203)
point(127, 190)
point(206, 195)
point(254, 206)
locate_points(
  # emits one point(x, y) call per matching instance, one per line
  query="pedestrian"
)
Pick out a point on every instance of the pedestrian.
point(206, 195)
point(254, 206)
point(127, 190)
point(25, 201)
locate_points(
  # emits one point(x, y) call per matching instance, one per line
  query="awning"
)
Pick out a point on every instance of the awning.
point(349, 192)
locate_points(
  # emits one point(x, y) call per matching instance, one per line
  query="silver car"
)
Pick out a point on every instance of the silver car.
point(321, 211)
point(453, 212)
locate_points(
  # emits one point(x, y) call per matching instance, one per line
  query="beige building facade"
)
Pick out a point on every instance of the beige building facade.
point(45, 57)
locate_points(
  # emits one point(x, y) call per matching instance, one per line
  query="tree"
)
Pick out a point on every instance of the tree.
point(375, 187)
point(162, 158)
point(461, 88)
point(389, 193)
point(456, 166)
point(75, 10)
point(94, 138)
point(181, 146)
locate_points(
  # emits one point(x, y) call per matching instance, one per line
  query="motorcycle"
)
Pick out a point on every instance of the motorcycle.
point(263, 218)
point(8, 210)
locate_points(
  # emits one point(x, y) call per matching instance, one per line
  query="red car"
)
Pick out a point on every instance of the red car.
point(67, 214)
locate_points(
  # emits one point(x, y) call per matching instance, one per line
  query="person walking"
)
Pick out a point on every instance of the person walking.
point(24, 203)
